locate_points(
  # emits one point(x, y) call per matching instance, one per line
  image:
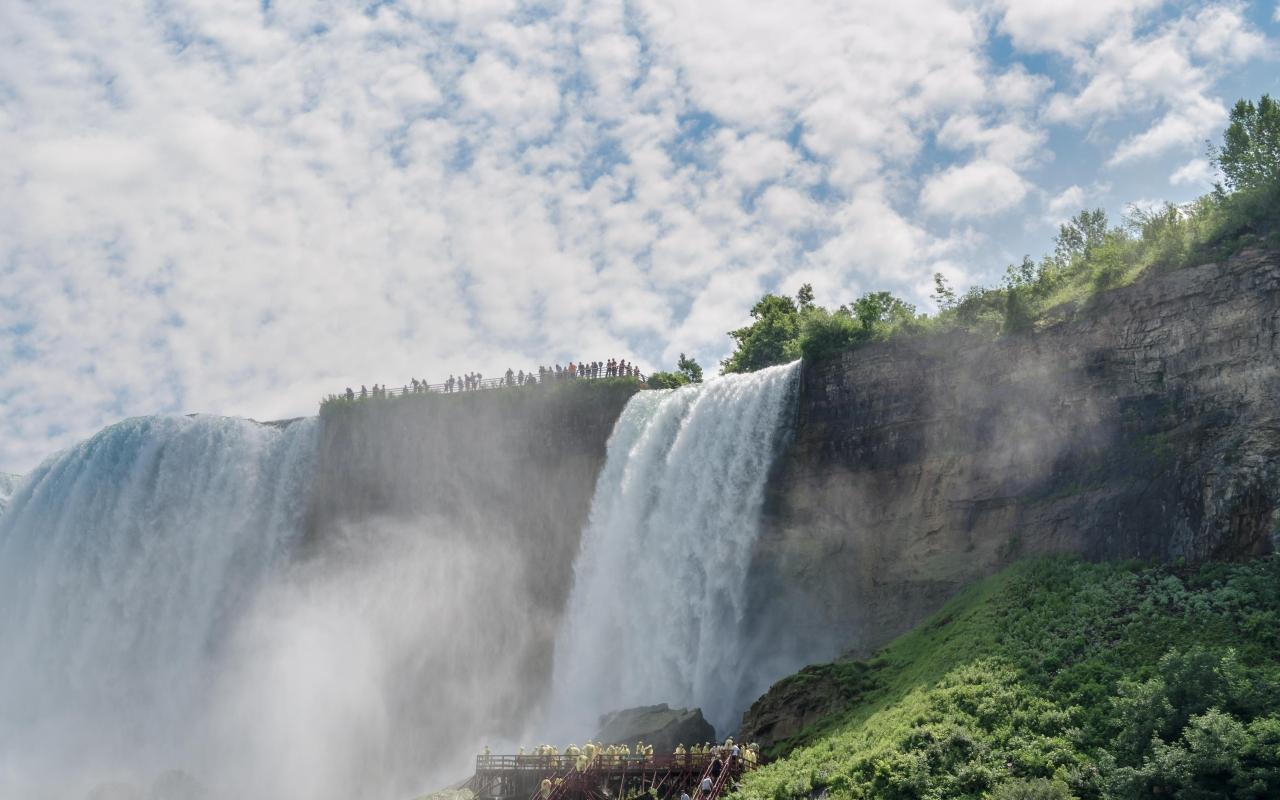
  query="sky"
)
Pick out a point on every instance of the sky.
point(239, 206)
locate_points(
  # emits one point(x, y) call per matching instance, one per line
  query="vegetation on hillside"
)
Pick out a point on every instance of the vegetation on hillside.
point(1059, 679)
point(1090, 255)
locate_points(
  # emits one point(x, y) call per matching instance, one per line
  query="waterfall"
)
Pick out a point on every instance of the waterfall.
point(656, 613)
point(124, 562)
point(8, 485)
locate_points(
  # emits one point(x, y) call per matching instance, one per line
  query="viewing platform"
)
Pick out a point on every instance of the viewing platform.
point(605, 777)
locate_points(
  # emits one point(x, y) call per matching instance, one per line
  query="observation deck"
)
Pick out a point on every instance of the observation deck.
point(605, 777)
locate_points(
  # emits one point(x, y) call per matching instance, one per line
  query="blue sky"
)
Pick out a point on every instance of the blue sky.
point(237, 206)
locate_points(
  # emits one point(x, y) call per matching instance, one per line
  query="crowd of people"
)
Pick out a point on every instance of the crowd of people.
point(548, 756)
point(473, 381)
point(715, 763)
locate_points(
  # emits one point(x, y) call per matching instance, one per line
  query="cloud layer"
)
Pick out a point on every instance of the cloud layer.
point(237, 206)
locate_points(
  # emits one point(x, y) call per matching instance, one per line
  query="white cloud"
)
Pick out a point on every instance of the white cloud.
point(247, 209)
point(1064, 27)
point(1162, 73)
point(1008, 143)
point(1018, 88)
point(1177, 129)
point(977, 189)
point(1196, 172)
point(1064, 204)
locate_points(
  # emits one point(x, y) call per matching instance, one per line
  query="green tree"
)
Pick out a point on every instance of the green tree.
point(666, 380)
point(824, 333)
point(774, 337)
point(1249, 157)
point(1080, 235)
point(879, 312)
point(943, 294)
point(689, 368)
point(804, 297)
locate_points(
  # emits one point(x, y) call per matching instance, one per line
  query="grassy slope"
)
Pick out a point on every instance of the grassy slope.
point(1017, 678)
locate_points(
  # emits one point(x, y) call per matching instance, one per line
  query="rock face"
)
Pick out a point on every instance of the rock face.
point(800, 700)
point(1146, 426)
point(659, 725)
point(473, 505)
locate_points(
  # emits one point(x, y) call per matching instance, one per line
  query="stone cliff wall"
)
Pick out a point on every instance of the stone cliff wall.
point(514, 468)
point(481, 499)
point(1144, 427)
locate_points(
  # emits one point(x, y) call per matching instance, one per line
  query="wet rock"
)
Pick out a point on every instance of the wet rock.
point(1145, 426)
point(661, 726)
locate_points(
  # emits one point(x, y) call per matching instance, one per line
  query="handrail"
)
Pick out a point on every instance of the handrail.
point(530, 379)
point(558, 763)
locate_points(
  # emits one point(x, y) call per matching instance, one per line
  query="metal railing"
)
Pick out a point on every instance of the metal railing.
point(564, 763)
point(461, 386)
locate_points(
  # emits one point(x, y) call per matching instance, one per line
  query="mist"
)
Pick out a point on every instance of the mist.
point(353, 606)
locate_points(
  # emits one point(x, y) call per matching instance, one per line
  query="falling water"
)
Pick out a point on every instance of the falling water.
point(656, 613)
point(8, 485)
point(122, 564)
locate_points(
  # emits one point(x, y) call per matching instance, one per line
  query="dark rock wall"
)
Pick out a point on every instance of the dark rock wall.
point(459, 516)
point(1144, 427)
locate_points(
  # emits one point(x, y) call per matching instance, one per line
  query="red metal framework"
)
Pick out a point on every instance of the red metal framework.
point(606, 777)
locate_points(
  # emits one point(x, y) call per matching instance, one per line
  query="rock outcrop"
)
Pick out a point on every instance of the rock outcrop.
point(1145, 426)
point(661, 726)
point(796, 702)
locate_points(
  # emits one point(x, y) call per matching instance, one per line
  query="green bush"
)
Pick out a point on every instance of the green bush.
point(1066, 679)
point(823, 333)
point(1035, 789)
point(666, 380)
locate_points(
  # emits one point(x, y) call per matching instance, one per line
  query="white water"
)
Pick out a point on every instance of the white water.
point(123, 563)
point(8, 485)
point(657, 609)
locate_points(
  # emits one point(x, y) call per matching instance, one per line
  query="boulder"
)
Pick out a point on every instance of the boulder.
point(661, 726)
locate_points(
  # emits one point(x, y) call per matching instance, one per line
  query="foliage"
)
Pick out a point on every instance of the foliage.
point(786, 329)
point(1090, 256)
point(774, 337)
point(687, 371)
point(690, 369)
point(1060, 679)
point(666, 380)
point(1249, 157)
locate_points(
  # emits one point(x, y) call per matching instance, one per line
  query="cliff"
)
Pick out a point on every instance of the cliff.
point(448, 525)
point(1144, 426)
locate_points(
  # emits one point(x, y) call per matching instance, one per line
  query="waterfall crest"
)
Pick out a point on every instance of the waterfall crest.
point(657, 607)
point(123, 563)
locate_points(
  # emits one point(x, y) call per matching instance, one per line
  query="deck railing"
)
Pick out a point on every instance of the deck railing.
point(459, 386)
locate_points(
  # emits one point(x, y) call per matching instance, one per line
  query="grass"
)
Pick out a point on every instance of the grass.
point(1032, 675)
